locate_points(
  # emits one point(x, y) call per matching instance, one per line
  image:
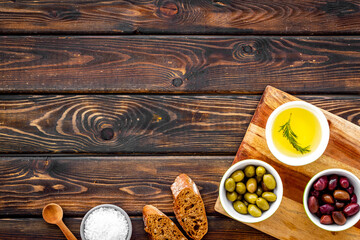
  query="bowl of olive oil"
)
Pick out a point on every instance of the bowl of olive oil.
point(297, 133)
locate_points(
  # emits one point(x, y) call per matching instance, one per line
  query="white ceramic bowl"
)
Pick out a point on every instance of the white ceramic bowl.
point(352, 220)
point(82, 226)
point(227, 205)
point(310, 157)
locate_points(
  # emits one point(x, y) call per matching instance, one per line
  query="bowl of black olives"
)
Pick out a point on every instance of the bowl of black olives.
point(250, 191)
point(331, 199)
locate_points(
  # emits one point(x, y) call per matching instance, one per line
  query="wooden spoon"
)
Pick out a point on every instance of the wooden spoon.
point(53, 214)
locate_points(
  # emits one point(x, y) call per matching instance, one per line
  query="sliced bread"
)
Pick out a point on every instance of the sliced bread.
point(159, 226)
point(189, 207)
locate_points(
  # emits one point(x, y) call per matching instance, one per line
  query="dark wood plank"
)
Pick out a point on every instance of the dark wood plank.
point(136, 123)
point(172, 64)
point(27, 184)
point(174, 16)
point(36, 228)
point(123, 124)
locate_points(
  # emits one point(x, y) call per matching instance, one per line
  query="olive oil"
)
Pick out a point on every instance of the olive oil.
point(296, 132)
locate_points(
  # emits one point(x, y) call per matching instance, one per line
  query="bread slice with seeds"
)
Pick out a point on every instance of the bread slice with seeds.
point(189, 207)
point(159, 226)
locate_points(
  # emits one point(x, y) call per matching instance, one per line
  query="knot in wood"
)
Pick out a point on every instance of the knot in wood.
point(247, 49)
point(107, 134)
point(177, 82)
point(63, 13)
point(41, 166)
point(168, 9)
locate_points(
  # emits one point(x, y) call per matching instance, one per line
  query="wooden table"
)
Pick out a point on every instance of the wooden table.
point(108, 101)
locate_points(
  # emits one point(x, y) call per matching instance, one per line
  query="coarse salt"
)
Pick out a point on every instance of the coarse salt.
point(106, 224)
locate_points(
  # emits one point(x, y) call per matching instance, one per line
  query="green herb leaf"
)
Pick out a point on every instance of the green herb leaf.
point(289, 134)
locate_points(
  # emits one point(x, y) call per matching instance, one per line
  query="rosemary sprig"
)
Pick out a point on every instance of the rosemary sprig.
point(291, 136)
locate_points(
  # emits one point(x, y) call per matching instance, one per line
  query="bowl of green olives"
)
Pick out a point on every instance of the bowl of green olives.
point(250, 191)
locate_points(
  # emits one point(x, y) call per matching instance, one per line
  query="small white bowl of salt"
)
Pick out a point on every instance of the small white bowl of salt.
point(106, 222)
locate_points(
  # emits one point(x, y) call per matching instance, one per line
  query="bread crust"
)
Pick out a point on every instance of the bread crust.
point(149, 211)
point(184, 183)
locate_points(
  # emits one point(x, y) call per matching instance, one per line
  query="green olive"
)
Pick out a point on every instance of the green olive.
point(260, 171)
point(258, 179)
point(239, 197)
point(232, 196)
point(246, 203)
point(264, 188)
point(262, 204)
point(250, 197)
point(240, 188)
point(254, 210)
point(259, 191)
point(251, 185)
point(238, 175)
point(230, 185)
point(269, 196)
point(249, 171)
point(269, 181)
point(240, 207)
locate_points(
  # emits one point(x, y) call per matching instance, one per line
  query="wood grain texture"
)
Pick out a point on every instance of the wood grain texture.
point(178, 64)
point(181, 16)
point(342, 152)
point(27, 184)
point(35, 228)
point(137, 123)
point(123, 124)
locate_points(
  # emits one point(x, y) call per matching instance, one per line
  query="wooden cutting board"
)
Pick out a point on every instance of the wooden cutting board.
point(290, 220)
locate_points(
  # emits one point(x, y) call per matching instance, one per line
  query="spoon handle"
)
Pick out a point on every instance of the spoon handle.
point(68, 234)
